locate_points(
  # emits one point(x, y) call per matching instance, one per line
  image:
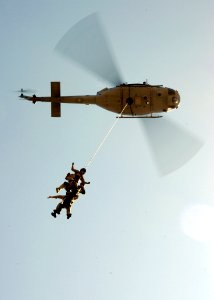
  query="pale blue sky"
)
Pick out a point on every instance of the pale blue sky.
point(125, 239)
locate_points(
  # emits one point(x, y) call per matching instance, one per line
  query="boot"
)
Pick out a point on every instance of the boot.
point(68, 216)
point(53, 214)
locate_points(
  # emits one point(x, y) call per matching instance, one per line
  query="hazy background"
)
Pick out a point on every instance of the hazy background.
point(134, 235)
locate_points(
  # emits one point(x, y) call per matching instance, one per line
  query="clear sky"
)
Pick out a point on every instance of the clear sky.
point(134, 235)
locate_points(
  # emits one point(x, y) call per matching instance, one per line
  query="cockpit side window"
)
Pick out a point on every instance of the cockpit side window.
point(171, 92)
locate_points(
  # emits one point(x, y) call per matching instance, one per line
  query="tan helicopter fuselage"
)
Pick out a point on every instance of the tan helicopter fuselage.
point(142, 99)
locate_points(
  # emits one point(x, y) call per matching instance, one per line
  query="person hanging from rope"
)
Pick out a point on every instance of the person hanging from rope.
point(67, 201)
point(73, 179)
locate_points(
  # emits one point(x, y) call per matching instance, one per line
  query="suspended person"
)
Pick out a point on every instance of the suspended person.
point(73, 179)
point(67, 201)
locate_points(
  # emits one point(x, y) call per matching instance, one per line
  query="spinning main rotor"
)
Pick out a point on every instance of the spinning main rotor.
point(86, 44)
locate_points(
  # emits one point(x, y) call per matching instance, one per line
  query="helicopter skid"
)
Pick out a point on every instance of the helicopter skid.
point(139, 117)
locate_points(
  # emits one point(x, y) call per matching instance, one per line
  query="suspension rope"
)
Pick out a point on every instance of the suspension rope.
point(105, 138)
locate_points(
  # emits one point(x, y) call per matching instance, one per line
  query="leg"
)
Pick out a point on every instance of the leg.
point(65, 185)
point(68, 210)
point(62, 186)
point(59, 208)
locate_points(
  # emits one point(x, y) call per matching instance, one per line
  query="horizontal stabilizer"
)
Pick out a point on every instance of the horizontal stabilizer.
point(55, 109)
point(55, 89)
point(55, 106)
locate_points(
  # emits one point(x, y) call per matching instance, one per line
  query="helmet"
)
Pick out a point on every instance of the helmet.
point(83, 170)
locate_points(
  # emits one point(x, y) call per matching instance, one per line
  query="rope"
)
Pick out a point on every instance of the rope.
point(105, 138)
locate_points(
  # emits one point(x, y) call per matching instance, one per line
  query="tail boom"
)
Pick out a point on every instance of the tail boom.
point(56, 99)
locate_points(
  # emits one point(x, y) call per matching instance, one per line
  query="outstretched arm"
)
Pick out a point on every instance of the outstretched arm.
point(73, 169)
point(83, 182)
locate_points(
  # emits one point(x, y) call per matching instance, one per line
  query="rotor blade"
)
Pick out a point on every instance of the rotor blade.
point(86, 43)
point(172, 145)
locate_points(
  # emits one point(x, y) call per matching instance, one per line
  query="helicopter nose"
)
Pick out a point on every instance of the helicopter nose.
point(175, 100)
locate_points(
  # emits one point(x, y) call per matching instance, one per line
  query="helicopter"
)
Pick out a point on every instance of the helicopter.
point(86, 44)
point(142, 99)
